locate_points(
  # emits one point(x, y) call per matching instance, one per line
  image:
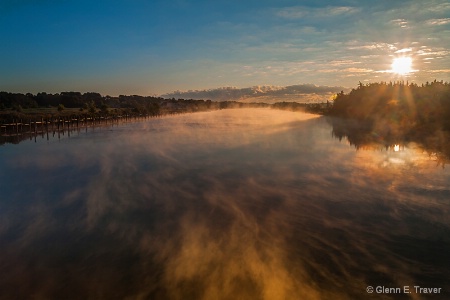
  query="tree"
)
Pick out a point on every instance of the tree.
point(91, 107)
point(104, 108)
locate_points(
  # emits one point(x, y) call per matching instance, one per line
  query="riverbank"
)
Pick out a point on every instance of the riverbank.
point(390, 114)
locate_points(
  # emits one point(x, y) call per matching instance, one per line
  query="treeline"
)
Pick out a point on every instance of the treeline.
point(397, 108)
point(18, 102)
point(16, 106)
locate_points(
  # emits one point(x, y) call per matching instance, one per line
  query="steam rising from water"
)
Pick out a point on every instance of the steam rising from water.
point(235, 204)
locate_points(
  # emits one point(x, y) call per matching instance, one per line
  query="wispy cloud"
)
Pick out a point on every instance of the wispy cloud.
point(442, 21)
point(355, 45)
point(439, 8)
point(431, 52)
point(439, 71)
point(358, 70)
point(343, 62)
point(298, 12)
point(404, 50)
point(292, 13)
point(400, 22)
point(341, 10)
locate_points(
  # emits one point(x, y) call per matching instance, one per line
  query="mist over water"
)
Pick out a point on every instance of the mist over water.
point(232, 204)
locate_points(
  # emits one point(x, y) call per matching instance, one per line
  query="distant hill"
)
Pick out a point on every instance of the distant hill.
point(301, 93)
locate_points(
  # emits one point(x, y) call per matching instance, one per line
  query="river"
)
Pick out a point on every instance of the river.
point(230, 204)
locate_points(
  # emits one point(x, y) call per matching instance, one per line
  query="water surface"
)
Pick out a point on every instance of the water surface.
point(232, 204)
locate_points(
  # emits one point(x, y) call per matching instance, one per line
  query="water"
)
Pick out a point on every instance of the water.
point(232, 204)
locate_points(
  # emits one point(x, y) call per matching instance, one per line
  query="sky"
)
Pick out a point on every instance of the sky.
point(164, 47)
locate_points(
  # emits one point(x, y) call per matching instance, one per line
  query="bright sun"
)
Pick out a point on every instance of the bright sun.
point(402, 65)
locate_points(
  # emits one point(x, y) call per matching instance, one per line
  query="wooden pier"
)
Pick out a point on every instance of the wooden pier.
point(20, 129)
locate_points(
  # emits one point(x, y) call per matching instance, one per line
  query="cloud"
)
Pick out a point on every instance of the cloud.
point(343, 62)
point(403, 50)
point(440, 8)
point(439, 71)
point(292, 13)
point(427, 52)
point(341, 10)
point(354, 45)
point(298, 12)
point(442, 21)
point(400, 22)
point(257, 93)
point(358, 70)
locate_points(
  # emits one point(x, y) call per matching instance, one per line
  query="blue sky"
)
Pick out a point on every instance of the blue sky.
point(156, 47)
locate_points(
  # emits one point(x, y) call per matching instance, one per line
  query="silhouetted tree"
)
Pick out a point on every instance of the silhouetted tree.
point(401, 107)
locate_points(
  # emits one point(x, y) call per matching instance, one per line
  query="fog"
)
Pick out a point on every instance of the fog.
point(232, 204)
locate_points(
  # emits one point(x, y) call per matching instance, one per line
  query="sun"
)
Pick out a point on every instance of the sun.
point(402, 65)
